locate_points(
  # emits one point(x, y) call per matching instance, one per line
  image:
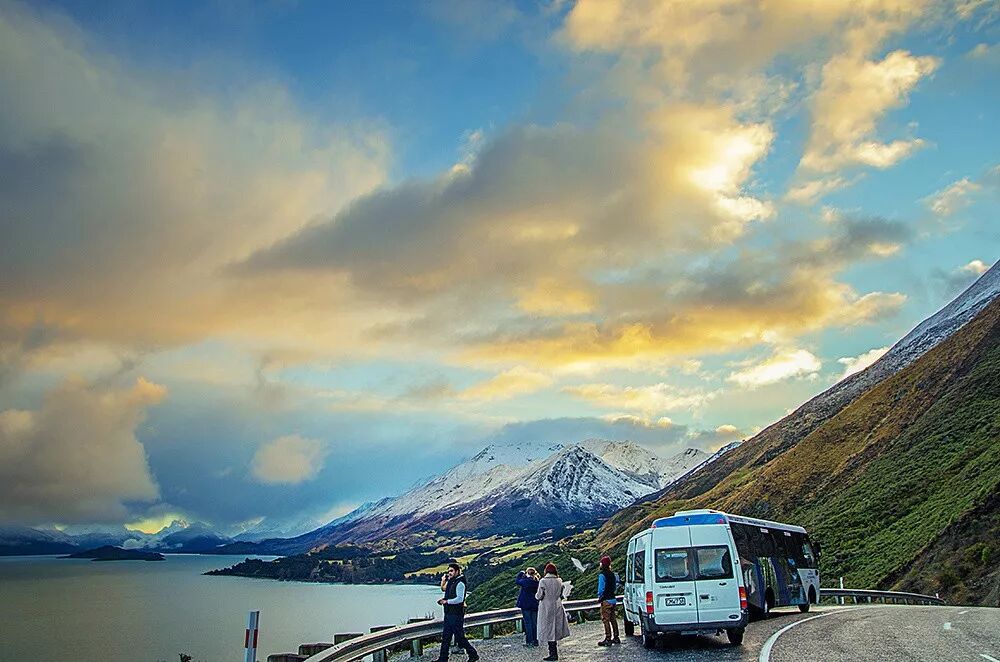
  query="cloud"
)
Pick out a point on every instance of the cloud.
point(572, 430)
point(126, 190)
point(855, 93)
point(811, 191)
point(493, 228)
point(717, 438)
point(76, 459)
point(516, 381)
point(782, 365)
point(952, 198)
point(853, 364)
point(756, 297)
point(700, 47)
point(653, 399)
point(289, 460)
point(950, 283)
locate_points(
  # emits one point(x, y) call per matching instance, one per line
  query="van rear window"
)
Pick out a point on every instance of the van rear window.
point(689, 563)
point(714, 563)
point(673, 565)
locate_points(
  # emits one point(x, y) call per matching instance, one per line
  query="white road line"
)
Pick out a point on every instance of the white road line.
point(765, 652)
point(989, 657)
point(963, 612)
point(946, 626)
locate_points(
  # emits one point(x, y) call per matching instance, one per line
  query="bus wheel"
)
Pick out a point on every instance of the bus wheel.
point(629, 628)
point(735, 636)
point(648, 640)
point(768, 603)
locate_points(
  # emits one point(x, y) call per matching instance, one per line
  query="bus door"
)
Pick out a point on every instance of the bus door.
point(794, 564)
point(716, 583)
point(676, 599)
point(636, 585)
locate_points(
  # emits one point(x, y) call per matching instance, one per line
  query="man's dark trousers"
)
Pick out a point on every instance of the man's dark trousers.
point(454, 626)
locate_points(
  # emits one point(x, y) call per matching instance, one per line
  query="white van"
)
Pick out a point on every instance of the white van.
point(687, 574)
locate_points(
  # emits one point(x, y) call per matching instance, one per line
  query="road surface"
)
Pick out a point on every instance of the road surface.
point(829, 634)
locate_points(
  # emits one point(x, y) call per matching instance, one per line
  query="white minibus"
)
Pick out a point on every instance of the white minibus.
point(703, 571)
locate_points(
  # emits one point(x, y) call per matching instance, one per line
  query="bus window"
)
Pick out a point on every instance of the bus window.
point(807, 553)
point(763, 543)
point(792, 548)
point(639, 566)
point(629, 565)
point(714, 563)
point(673, 565)
point(742, 536)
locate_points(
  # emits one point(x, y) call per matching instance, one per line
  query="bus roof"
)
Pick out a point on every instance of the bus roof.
point(696, 517)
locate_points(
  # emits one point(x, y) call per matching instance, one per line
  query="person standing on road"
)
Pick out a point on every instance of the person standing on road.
point(607, 585)
point(552, 625)
point(454, 586)
point(528, 581)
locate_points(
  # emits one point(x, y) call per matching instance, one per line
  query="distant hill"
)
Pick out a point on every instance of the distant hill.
point(111, 553)
point(24, 541)
point(900, 485)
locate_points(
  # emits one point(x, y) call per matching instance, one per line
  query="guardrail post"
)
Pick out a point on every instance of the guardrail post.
point(840, 600)
point(380, 655)
point(488, 631)
point(519, 626)
point(417, 645)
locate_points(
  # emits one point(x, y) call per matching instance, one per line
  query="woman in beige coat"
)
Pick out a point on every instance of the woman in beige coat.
point(552, 625)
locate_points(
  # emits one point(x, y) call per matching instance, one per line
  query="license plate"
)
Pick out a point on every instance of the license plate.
point(675, 602)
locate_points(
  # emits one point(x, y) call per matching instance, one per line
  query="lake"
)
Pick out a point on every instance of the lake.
point(141, 611)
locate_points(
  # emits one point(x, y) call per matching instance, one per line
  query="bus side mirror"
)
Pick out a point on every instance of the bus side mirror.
point(818, 549)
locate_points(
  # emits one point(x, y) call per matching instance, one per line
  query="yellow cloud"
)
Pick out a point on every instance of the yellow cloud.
point(853, 95)
point(780, 366)
point(288, 460)
point(648, 399)
point(953, 198)
point(508, 384)
point(853, 364)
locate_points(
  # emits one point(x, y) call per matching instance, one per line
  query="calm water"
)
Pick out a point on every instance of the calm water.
point(137, 611)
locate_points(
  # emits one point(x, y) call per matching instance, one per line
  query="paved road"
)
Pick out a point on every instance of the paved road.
point(895, 634)
point(882, 633)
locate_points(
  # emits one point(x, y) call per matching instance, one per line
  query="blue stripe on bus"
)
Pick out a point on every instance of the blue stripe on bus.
point(685, 520)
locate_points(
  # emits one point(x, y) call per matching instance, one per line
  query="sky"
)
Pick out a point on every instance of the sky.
point(266, 261)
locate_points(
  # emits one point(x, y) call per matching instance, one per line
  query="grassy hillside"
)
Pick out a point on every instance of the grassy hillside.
point(888, 484)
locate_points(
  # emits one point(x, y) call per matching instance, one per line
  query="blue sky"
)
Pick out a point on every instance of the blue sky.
point(272, 260)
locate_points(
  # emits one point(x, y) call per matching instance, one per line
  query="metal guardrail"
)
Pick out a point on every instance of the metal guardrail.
point(375, 642)
point(395, 637)
point(897, 597)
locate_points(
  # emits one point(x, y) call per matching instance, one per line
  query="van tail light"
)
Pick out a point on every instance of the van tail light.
point(743, 597)
point(649, 602)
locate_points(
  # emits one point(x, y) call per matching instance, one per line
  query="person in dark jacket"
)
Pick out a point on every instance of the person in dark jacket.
point(454, 587)
point(528, 581)
point(607, 584)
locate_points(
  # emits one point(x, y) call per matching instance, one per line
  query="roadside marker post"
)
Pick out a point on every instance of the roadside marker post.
point(250, 638)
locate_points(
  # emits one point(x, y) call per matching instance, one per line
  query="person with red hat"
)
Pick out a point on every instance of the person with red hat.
point(607, 586)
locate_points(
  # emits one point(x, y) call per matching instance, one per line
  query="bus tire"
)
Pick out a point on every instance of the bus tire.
point(629, 628)
point(648, 640)
point(809, 600)
point(735, 636)
point(768, 604)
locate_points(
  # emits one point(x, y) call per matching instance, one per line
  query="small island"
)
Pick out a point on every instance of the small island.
point(111, 553)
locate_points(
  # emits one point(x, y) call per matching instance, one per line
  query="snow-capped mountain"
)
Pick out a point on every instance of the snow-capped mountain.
point(498, 468)
point(516, 487)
